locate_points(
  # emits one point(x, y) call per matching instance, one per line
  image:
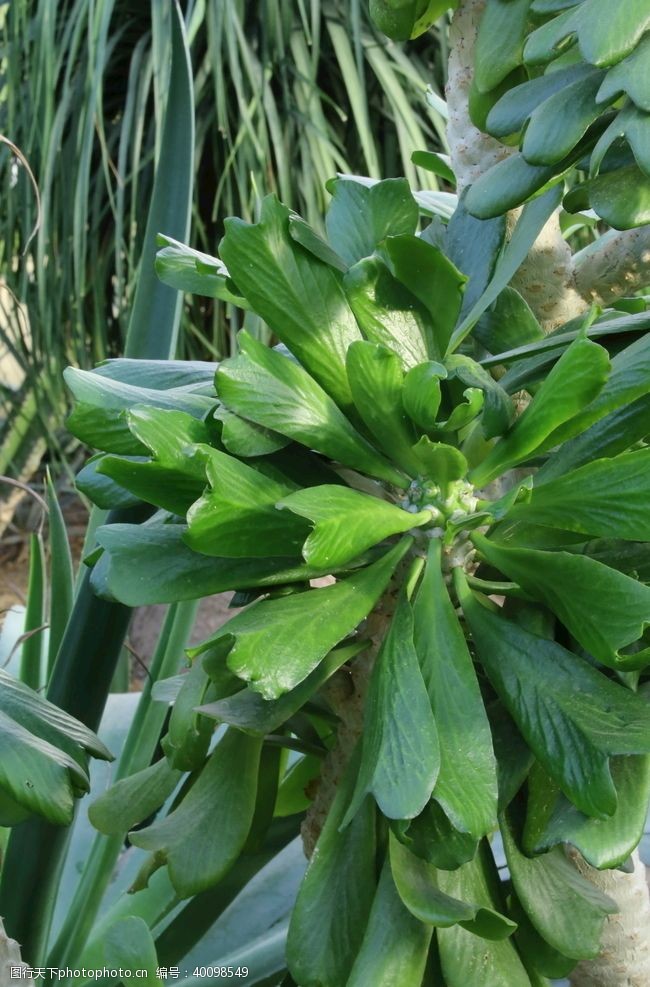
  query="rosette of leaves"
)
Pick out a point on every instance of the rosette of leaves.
point(564, 81)
point(492, 569)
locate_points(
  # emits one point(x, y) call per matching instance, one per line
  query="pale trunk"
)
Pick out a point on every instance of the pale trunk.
point(559, 287)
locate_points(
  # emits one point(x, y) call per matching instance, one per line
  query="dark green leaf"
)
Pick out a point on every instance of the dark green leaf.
point(621, 197)
point(361, 216)
point(132, 799)
point(387, 312)
point(508, 323)
point(330, 915)
point(434, 281)
point(574, 381)
point(201, 839)
point(395, 946)
point(188, 738)
point(185, 269)
point(466, 787)
point(474, 245)
point(400, 755)
point(531, 221)
point(603, 609)
point(571, 715)
point(630, 76)
point(507, 184)
point(557, 124)
point(512, 111)
point(277, 643)
point(417, 884)
point(145, 564)
point(552, 38)
point(498, 411)
point(129, 946)
point(297, 295)
point(435, 163)
point(421, 394)
point(247, 711)
point(500, 41)
point(302, 233)
point(564, 907)
point(608, 497)
point(100, 489)
point(432, 837)
point(604, 843)
point(346, 522)
point(376, 380)
point(273, 391)
point(405, 19)
point(607, 34)
point(467, 958)
point(99, 419)
point(238, 518)
point(540, 958)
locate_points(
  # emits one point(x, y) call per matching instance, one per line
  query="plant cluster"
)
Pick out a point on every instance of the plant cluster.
point(487, 569)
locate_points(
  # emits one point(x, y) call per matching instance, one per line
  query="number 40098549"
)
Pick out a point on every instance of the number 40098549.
point(221, 971)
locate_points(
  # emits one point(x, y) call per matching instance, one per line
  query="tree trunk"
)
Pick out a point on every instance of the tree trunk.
point(558, 287)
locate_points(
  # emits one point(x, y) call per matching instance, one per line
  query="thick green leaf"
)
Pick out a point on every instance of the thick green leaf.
point(630, 76)
point(498, 410)
point(246, 439)
point(387, 312)
point(629, 379)
point(45, 752)
point(145, 564)
point(604, 843)
point(541, 959)
point(129, 945)
point(564, 907)
point(474, 245)
point(395, 945)
point(552, 38)
point(275, 644)
point(247, 711)
point(346, 522)
point(432, 837)
point(438, 164)
point(400, 755)
point(607, 34)
point(273, 391)
point(376, 381)
point(417, 884)
point(603, 609)
point(99, 418)
point(571, 715)
point(466, 958)
point(500, 41)
point(330, 915)
point(514, 108)
point(238, 518)
point(132, 799)
point(401, 20)
point(175, 476)
point(508, 323)
point(467, 786)
point(532, 220)
point(421, 393)
point(556, 126)
point(440, 461)
point(100, 489)
point(188, 738)
point(613, 434)
point(201, 839)
point(435, 282)
point(620, 197)
point(608, 497)
point(297, 295)
point(574, 381)
point(506, 185)
point(361, 216)
point(189, 270)
point(631, 125)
